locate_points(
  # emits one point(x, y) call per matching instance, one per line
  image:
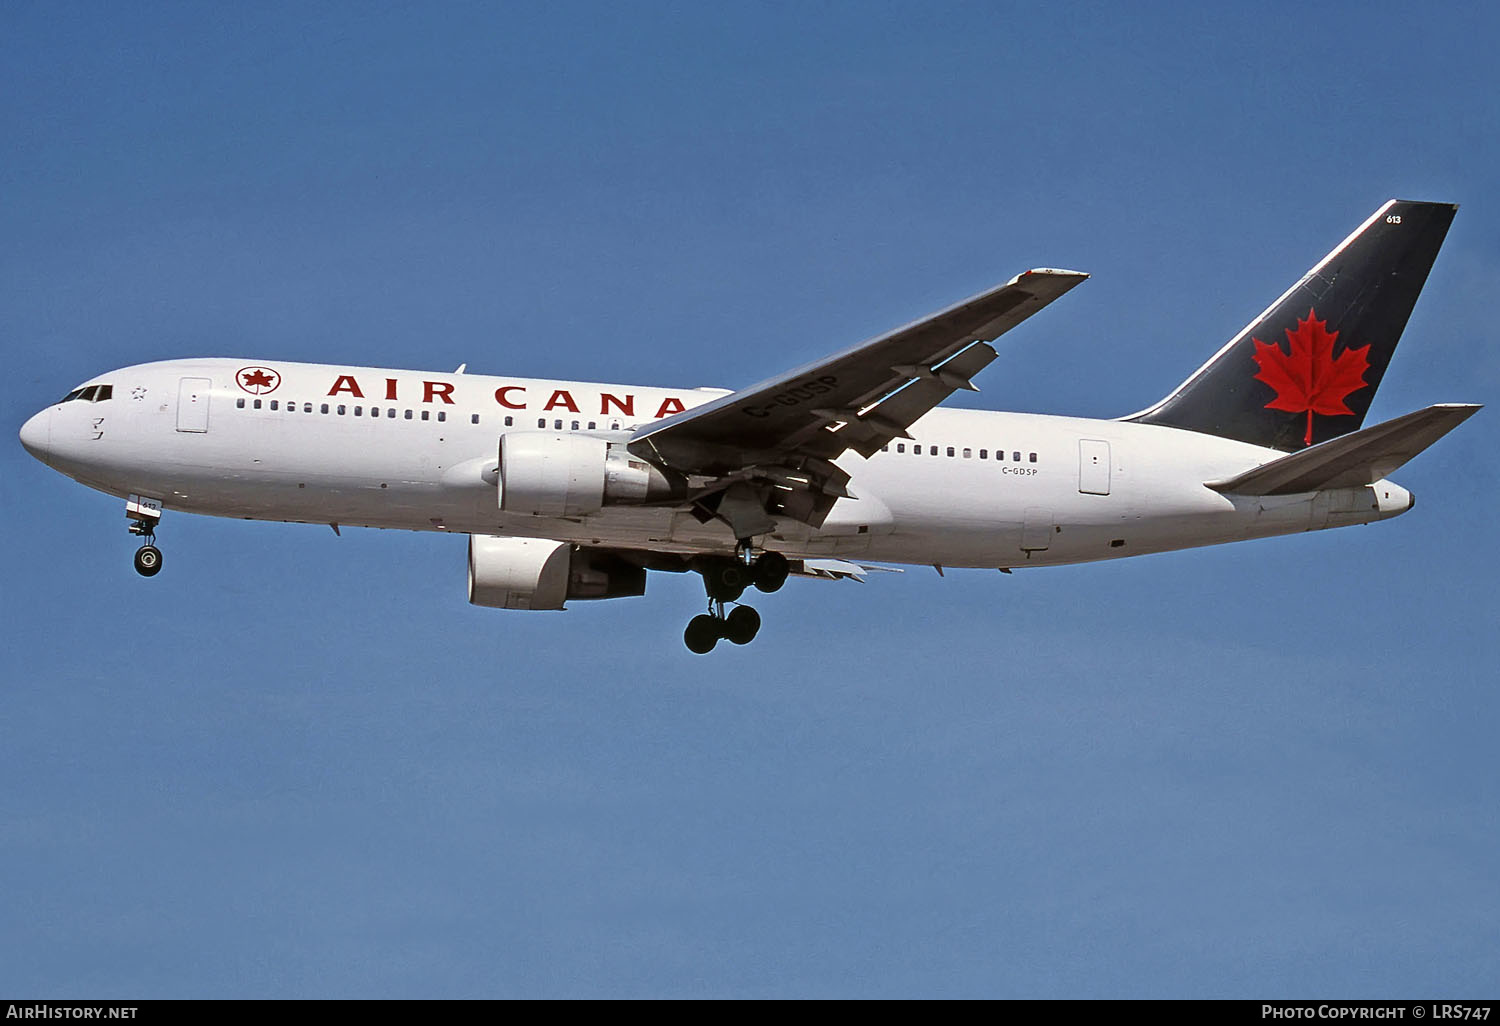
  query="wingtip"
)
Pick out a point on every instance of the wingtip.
point(1061, 272)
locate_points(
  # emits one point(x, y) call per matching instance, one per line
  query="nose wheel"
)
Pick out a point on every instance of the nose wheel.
point(148, 560)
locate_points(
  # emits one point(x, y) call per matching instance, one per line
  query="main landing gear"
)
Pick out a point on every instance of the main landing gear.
point(725, 580)
point(143, 524)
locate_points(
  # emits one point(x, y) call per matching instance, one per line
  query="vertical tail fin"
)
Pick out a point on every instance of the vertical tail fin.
point(1306, 369)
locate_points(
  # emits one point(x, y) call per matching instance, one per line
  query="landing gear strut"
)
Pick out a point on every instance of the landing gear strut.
point(725, 580)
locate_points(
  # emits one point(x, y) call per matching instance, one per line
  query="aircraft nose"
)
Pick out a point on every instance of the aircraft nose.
point(36, 434)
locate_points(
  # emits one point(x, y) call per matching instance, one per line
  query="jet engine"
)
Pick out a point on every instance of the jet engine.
point(538, 573)
point(559, 474)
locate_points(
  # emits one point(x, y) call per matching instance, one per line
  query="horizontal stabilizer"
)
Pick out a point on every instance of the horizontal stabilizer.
point(1353, 460)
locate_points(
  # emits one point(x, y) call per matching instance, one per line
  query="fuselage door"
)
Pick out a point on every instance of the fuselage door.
point(1093, 467)
point(192, 404)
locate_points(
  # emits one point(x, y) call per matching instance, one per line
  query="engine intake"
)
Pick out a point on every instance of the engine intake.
point(560, 474)
point(538, 573)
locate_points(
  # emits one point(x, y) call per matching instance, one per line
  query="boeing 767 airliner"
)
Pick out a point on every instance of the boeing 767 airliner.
point(572, 490)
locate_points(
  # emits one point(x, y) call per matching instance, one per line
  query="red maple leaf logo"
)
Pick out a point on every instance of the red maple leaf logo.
point(258, 380)
point(1309, 378)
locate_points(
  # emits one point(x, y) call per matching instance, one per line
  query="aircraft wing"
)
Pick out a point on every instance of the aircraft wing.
point(858, 399)
point(1351, 460)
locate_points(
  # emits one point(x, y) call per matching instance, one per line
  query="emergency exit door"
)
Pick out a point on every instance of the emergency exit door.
point(1093, 467)
point(192, 404)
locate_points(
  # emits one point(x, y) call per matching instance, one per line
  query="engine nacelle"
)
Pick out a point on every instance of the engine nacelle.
point(538, 573)
point(561, 474)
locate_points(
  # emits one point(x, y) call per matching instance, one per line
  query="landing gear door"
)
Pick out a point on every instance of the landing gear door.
point(1036, 530)
point(192, 404)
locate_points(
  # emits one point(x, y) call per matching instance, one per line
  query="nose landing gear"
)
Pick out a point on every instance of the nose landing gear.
point(725, 580)
point(144, 515)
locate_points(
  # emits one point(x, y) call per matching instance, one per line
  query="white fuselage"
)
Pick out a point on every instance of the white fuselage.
point(409, 450)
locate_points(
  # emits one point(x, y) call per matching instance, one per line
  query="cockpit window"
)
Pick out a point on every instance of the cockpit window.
point(91, 394)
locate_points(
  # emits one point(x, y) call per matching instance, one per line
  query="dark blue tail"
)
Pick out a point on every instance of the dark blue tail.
point(1306, 370)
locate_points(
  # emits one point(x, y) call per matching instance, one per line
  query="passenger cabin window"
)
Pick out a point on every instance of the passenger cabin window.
point(342, 408)
point(509, 421)
point(541, 422)
point(323, 408)
point(424, 414)
point(473, 417)
point(575, 425)
point(273, 404)
point(442, 414)
point(950, 450)
point(257, 404)
point(900, 446)
point(932, 450)
point(390, 414)
point(1015, 457)
point(1033, 458)
point(239, 404)
point(968, 454)
point(359, 411)
point(984, 454)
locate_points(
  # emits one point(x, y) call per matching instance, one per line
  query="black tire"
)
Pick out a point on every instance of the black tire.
point(702, 634)
point(726, 581)
point(770, 571)
point(741, 625)
point(148, 560)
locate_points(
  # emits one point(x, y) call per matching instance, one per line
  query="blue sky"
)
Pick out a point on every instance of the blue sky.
point(301, 765)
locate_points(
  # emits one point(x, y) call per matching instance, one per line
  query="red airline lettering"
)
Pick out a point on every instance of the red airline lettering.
point(437, 389)
point(563, 399)
point(346, 383)
point(626, 405)
point(503, 390)
point(669, 405)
